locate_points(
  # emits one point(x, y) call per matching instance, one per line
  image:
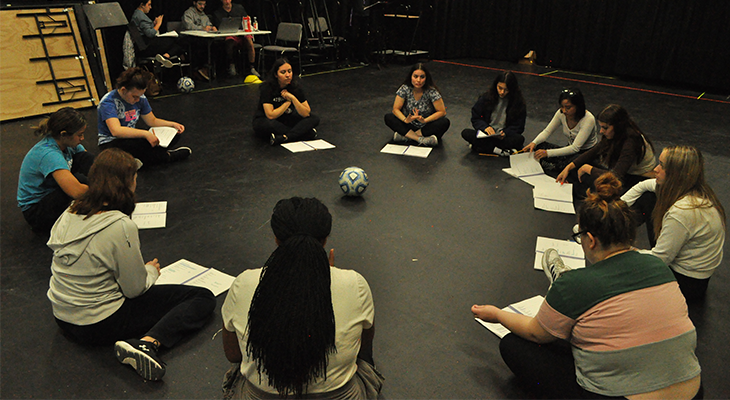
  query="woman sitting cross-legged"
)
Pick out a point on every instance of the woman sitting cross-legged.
point(419, 113)
point(299, 326)
point(618, 328)
point(498, 118)
point(54, 171)
point(688, 220)
point(576, 123)
point(101, 290)
point(624, 150)
point(283, 113)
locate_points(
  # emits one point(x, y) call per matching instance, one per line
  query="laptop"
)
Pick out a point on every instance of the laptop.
point(229, 25)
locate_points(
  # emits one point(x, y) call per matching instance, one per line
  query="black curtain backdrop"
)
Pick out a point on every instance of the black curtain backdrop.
point(682, 42)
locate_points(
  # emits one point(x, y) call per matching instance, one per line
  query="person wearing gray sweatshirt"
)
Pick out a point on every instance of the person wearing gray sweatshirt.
point(101, 290)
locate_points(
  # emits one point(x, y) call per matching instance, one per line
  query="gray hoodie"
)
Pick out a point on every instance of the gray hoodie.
point(97, 263)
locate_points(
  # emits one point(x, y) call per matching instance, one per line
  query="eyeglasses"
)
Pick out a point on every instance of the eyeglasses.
point(576, 236)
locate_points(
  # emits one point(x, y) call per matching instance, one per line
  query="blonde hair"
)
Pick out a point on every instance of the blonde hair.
point(685, 176)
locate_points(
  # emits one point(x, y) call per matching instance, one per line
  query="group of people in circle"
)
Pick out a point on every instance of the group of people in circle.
point(300, 326)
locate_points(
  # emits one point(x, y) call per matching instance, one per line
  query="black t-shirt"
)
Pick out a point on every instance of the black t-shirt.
point(270, 96)
point(237, 11)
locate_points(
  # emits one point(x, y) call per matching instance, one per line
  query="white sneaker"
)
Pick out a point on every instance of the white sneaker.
point(553, 265)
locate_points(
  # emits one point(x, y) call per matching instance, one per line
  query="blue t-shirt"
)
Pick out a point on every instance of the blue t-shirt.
point(35, 180)
point(113, 106)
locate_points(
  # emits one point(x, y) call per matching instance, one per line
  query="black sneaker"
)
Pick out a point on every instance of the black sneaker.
point(142, 356)
point(277, 139)
point(507, 152)
point(180, 153)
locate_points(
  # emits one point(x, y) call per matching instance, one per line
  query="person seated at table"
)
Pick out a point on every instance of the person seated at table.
point(162, 48)
point(234, 43)
point(283, 113)
point(195, 19)
point(618, 327)
point(576, 123)
point(688, 219)
point(118, 113)
point(54, 171)
point(419, 113)
point(299, 326)
point(498, 118)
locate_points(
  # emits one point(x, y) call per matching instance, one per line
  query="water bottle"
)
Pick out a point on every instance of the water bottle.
point(255, 24)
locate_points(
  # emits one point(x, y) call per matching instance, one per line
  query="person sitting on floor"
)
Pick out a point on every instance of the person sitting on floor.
point(195, 19)
point(624, 150)
point(688, 220)
point(419, 113)
point(233, 43)
point(624, 317)
point(299, 326)
point(118, 113)
point(498, 118)
point(101, 290)
point(576, 123)
point(283, 113)
point(54, 171)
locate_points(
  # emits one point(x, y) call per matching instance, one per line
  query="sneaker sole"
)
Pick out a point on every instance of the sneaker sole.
point(145, 366)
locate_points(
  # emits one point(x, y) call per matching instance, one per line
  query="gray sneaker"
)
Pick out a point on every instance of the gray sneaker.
point(398, 138)
point(553, 265)
point(429, 141)
point(254, 72)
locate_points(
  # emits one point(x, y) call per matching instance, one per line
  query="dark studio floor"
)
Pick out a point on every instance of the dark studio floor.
point(432, 236)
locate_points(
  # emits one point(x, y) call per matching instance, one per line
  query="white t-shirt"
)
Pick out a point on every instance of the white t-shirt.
point(352, 303)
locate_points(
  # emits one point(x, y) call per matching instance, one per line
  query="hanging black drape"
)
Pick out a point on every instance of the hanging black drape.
point(681, 42)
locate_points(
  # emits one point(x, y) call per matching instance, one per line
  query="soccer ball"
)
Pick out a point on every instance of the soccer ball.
point(185, 84)
point(353, 181)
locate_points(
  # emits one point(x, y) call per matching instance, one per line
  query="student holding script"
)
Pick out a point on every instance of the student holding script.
point(299, 326)
point(498, 118)
point(101, 290)
point(283, 113)
point(118, 113)
point(624, 317)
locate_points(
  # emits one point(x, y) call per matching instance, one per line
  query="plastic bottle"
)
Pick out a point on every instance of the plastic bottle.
point(255, 24)
point(247, 23)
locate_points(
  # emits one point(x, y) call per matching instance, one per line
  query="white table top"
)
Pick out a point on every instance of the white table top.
point(222, 35)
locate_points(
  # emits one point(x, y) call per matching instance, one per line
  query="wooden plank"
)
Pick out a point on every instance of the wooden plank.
point(22, 96)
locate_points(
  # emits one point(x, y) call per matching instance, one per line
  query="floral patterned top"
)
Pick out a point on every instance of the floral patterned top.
point(424, 105)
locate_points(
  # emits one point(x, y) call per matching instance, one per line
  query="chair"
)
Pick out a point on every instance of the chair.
point(288, 41)
point(321, 33)
point(138, 45)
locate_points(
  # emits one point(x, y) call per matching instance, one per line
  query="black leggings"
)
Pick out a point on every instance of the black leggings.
point(487, 145)
point(164, 312)
point(434, 128)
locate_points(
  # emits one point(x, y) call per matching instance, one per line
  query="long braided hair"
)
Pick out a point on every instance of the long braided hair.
point(291, 323)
